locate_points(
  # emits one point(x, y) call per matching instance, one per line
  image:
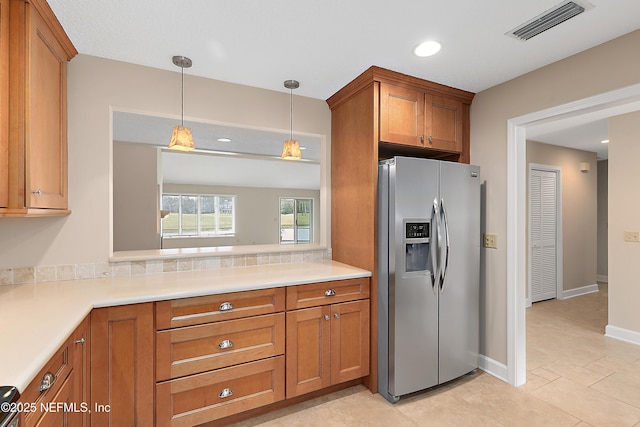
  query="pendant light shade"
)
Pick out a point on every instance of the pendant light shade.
point(181, 138)
point(291, 150)
point(291, 147)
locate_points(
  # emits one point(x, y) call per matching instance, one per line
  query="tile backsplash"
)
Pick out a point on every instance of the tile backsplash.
point(55, 273)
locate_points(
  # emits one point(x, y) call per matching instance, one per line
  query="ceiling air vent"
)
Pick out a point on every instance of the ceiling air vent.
point(549, 19)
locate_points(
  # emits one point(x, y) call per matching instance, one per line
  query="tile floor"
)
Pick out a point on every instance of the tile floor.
point(576, 377)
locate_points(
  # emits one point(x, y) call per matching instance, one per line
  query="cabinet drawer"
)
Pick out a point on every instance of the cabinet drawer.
point(304, 296)
point(57, 371)
point(64, 410)
point(201, 398)
point(195, 349)
point(215, 308)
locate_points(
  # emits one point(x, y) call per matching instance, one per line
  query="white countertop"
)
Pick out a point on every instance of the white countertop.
point(38, 318)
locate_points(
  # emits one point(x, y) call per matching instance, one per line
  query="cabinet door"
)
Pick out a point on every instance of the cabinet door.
point(443, 123)
point(308, 350)
point(46, 123)
point(349, 341)
point(81, 365)
point(401, 115)
point(122, 365)
point(4, 103)
point(63, 410)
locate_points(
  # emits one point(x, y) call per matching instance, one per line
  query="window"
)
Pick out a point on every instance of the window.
point(296, 220)
point(198, 215)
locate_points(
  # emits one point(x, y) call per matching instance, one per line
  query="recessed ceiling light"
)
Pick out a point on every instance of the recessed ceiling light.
point(427, 48)
point(605, 141)
point(224, 139)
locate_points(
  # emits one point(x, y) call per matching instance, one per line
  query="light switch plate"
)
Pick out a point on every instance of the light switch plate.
point(490, 240)
point(631, 236)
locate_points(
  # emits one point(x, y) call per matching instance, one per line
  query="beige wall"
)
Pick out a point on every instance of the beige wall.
point(136, 206)
point(257, 210)
point(610, 66)
point(579, 210)
point(603, 220)
point(624, 208)
point(94, 86)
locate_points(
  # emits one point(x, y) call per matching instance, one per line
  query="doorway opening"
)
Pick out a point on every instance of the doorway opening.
point(616, 102)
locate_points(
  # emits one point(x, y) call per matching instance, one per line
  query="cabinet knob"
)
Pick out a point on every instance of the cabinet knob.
point(430, 138)
point(225, 344)
point(226, 306)
point(336, 315)
point(227, 392)
point(38, 192)
point(47, 381)
point(330, 293)
point(326, 317)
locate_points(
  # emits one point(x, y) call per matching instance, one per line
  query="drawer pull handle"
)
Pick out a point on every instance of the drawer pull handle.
point(330, 293)
point(227, 392)
point(226, 306)
point(225, 344)
point(47, 381)
point(80, 341)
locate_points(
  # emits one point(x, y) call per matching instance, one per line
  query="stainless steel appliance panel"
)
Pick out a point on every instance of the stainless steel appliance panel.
point(413, 316)
point(459, 296)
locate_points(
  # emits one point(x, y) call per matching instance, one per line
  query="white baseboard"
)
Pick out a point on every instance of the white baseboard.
point(493, 367)
point(621, 334)
point(584, 290)
point(604, 279)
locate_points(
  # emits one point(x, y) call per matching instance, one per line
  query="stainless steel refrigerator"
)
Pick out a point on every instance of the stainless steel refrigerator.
point(428, 278)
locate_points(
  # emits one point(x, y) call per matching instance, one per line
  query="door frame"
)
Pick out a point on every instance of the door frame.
point(608, 104)
point(559, 258)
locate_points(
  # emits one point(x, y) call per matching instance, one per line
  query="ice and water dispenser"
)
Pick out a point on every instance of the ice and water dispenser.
point(416, 246)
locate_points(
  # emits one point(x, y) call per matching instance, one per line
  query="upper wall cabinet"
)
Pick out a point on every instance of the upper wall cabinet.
point(411, 116)
point(419, 119)
point(33, 110)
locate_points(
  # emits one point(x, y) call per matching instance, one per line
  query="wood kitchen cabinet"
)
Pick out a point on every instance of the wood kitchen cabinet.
point(122, 365)
point(418, 119)
point(219, 355)
point(33, 110)
point(381, 114)
point(59, 393)
point(327, 343)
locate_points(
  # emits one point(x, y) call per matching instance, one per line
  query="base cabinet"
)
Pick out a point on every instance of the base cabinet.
point(122, 366)
point(204, 360)
point(327, 344)
point(220, 355)
point(58, 396)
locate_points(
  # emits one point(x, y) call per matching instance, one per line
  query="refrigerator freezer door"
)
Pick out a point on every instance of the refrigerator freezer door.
point(459, 296)
point(413, 301)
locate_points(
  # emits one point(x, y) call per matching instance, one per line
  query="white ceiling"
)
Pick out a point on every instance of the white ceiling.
point(325, 44)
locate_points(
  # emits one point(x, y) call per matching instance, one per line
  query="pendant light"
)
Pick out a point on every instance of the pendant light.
point(291, 147)
point(181, 139)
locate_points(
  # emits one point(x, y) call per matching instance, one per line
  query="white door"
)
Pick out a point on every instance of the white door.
point(542, 234)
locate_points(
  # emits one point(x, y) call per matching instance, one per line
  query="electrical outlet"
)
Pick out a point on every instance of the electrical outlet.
point(490, 240)
point(631, 236)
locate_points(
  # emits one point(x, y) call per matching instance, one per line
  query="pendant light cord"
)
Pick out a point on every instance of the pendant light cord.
point(291, 113)
point(182, 98)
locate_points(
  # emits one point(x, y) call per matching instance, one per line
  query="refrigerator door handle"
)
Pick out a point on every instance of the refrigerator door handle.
point(446, 247)
point(434, 250)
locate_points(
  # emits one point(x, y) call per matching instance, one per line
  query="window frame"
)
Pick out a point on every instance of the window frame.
point(199, 232)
